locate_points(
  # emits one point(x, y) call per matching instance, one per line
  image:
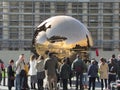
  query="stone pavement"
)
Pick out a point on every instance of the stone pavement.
point(60, 88)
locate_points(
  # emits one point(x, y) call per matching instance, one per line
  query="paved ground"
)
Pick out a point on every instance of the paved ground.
point(70, 88)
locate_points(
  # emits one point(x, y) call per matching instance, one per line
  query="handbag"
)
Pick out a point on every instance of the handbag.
point(12, 78)
point(22, 73)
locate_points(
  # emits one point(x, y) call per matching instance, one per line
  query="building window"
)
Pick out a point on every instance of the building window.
point(45, 7)
point(77, 7)
point(28, 33)
point(28, 20)
point(93, 8)
point(107, 7)
point(61, 7)
point(107, 18)
point(13, 45)
point(27, 45)
point(108, 46)
point(13, 33)
point(107, 34)
point(14, 17)
point(28, 6)
point(14, 6)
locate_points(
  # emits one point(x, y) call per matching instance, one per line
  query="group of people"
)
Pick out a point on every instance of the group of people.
point(107, 70)
point(38, 68)
point(49, 69)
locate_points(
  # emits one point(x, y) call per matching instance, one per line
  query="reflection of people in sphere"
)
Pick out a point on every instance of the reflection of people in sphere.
point(61, 32)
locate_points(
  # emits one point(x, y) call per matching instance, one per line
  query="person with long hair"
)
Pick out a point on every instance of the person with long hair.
point(40, 72)
point(32, 71)
point(103, 69)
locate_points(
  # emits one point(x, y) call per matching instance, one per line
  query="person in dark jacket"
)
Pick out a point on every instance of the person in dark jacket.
point(10, 73)
point(64, 73)
point(78, 67)
point(112, 72)
point(70, 75)
point(92, 74)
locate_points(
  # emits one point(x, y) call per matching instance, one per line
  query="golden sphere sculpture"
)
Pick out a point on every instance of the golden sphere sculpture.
point(62, 35)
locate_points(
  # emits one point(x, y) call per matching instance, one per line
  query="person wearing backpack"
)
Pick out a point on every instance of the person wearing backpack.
point(78, 67)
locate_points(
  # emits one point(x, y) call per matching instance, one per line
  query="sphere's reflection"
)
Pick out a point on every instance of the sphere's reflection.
point(61, 34)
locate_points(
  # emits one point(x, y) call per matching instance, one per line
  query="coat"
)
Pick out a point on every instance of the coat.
point(65, 71)
point(11, 76)
point(93, 70)
point(78, 65)
point(103, 70)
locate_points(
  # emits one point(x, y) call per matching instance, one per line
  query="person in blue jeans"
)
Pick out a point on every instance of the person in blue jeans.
point(19, 67)
point(17, 82)
point(78, 67)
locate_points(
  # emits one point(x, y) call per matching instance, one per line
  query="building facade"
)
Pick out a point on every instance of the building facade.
point(19, 19)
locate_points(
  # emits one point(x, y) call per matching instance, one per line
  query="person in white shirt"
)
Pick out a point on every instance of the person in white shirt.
point(32, 71)
point(19, 68)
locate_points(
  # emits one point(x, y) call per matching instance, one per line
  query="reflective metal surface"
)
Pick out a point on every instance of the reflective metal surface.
point(63, 35)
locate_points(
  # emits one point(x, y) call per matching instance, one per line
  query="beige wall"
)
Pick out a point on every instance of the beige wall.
point(7, 55)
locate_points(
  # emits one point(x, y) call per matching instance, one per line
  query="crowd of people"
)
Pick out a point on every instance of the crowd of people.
point(40, 69)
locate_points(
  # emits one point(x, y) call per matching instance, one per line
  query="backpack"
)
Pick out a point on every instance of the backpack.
point(113, 69)
point(79, 69)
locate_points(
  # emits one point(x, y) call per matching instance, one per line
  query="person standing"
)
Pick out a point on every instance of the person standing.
point(10, 73)
point(70, 74)
point(32, 71)
point(92, 74)
point(1, 62)
point(118, 70)
point(85, 81)
point(112, 72)
point(51, 67)
point(65, 73)
point(19, 79)
point(103, 69)
point(78, 67)
point(40, 72)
